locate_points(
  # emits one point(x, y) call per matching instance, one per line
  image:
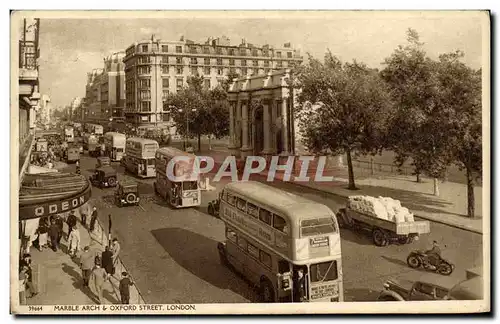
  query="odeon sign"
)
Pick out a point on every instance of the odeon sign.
point(55, 207)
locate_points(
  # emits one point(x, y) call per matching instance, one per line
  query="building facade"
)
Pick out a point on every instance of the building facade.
point(29, 95)
point(261, 115)
point(105, 91)
point(156, 68)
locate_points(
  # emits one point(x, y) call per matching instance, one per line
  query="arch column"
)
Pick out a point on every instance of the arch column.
point(233, 148)
point(268, 147)
point(246, 148)
point(284, 127)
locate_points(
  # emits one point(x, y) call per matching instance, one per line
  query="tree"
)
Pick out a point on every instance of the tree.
point(343, 108)
point(211, 115)
point(419, 128)
point(460, 97)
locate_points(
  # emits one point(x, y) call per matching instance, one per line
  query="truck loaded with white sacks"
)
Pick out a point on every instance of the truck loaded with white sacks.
point(383, 217)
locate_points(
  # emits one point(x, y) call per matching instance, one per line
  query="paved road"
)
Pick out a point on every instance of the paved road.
point(172, 254)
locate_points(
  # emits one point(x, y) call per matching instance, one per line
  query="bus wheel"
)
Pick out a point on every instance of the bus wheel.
point(266, 291)
point(379, 238)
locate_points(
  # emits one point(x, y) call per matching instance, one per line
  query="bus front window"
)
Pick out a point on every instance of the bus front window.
point(317, 226)
point(325, 271)
point(190, 185)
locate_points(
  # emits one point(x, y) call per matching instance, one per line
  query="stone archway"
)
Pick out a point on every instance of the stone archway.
point(258, 130)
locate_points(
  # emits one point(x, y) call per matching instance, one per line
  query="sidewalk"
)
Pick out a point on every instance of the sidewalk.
point(449, 208)
point(59, 277)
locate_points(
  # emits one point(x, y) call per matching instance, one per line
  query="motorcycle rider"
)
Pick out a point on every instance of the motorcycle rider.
point(434, 255)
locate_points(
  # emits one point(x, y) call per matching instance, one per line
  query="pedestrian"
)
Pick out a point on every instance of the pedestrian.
point(71, 221)
point(74, 241)
point(22, 285)
point(97, 280)
point(26, 263)
point(60, 228)
point(83, 212)
point(115, 250)
point(53, 234)
point(107, 260)
point(43, 229)
point(124, 288)
point(87, 263)
point(93, 219)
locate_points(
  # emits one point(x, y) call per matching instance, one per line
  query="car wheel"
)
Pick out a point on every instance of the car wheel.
point(266, 291)
point(379, 238)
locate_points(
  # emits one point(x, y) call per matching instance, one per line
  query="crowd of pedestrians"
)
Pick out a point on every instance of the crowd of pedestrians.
point(97, 268)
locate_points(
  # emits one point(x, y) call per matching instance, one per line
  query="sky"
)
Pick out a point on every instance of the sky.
point(70, 48)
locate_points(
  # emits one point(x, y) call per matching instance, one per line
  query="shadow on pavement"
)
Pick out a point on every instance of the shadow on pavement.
point(395, 261)
point(77, 281)
point(199, 255)
point(361, 295)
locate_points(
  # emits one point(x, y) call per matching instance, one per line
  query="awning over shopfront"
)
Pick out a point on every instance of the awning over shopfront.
point(52, 193)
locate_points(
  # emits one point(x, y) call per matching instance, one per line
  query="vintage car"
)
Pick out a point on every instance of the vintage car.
point(104, 177)
point(102, 161)
point(72, 154)
point(127, 194)
point(427, 288)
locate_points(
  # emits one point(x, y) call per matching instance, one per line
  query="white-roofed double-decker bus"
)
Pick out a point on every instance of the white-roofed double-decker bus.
point(139, 157)
point(287, 245)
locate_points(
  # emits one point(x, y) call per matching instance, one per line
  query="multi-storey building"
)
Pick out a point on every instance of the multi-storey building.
point(29, 94)
point(45, 110)
point(105, 91)
point(154, 68)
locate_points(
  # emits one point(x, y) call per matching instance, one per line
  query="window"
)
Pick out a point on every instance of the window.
point(206, 60)
point(253, 210)
point(279, 223)
point(278, 54)
point(164, 48)
point(145, 106)
point(231, 51)
point(189, 185)
point(231, 61)
point(178, 60)
point(219, 61)
point(424, 288)
point(231, 199)
point(206, 50)
point(231, 235)
point(243, 62)
point(194, 70)
point(164, 69)
point(253, 251)
point(144, 83)
point(317, 226)
point(279, 64)
point(265, 259)
point(206, 70)
point(194, 60)
point(265, 216)
point(242, 243)
point(289, 54)
point(144, 59)
point(244, 71)
point(144, 69)
point(150, 161)
point(255, 52)
point(220, 71)
point(178, 70)
point(232, 70)
point(144, 48)
point(165, 94)
point(242, 205)
point(255, 63)
point(266, 63)
point(145, 95)
point(324, 271)
point(266, 71)
point(283, 266)
point(206, 83)
point(178, 49)
point(179, 83)
point(165, 82)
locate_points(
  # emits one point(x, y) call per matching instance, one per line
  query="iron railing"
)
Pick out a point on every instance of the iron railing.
point(28, 55)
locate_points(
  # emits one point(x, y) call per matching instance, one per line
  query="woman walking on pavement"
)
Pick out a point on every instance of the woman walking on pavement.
point(97, 280)
point(115, 250)
point(43, 229)
point(74, 241)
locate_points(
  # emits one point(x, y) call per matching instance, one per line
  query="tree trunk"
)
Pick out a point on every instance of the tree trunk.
point(418, 177)
point(199, 142)
point(436, 187)
point(352, 184)
point(470, 194)
point(210, 142)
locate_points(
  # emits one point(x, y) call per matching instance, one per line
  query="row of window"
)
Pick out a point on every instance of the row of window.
point(263, 257)
point(146, 48)
point(145, 70)
point(207, 61)
point(257, 212)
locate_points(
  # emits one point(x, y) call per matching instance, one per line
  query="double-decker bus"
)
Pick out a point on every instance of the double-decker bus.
point(286, 245)
point(114, 144)
point(182, 189)
point(95, 129)
point(139, 157)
